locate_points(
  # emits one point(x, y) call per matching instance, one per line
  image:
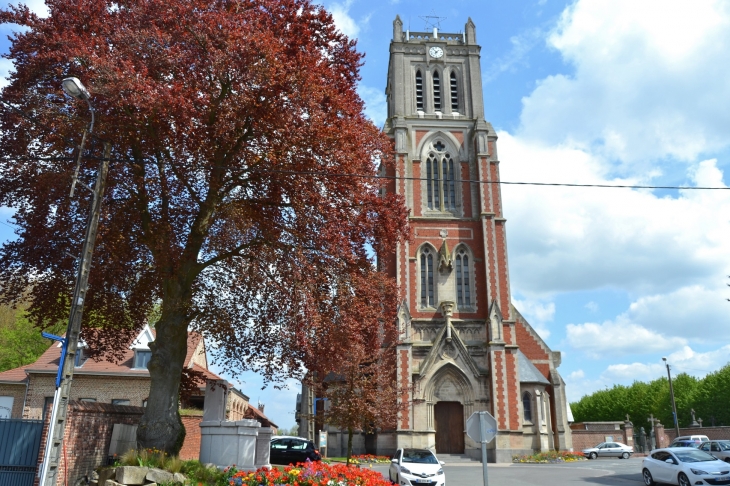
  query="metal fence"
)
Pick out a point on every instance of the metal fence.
point(20, 442)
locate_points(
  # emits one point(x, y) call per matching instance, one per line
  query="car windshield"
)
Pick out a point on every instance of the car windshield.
point(419, 456)
point(694, 456)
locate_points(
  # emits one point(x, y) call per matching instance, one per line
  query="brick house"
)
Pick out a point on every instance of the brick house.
point(25, 391)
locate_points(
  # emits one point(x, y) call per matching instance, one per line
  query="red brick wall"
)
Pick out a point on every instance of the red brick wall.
point(191, 446)
point(583, 439)
point(87, 436)
point(89, 431)
point(714, 433)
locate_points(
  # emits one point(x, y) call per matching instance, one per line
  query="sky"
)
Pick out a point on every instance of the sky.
point(589, 92)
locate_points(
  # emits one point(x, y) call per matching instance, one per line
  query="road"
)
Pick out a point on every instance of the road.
point(614, 472)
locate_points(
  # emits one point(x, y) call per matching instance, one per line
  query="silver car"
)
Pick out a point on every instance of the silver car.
point(717, 448)
point(609, 449)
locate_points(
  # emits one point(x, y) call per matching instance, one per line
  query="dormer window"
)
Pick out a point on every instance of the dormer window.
point(141, 358)
point(419, 91)
point(80, 357)
point(436, 91)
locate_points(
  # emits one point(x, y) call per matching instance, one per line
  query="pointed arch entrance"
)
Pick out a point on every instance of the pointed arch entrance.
point(451, 395)
point(449, 418)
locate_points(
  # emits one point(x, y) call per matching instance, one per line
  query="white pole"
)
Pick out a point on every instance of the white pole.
point(483, 430)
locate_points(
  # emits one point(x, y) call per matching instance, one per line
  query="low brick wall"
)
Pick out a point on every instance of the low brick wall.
point(191, 446)
point(714, 433)
point(583, 439)
point(89, 431)
point(87, 436)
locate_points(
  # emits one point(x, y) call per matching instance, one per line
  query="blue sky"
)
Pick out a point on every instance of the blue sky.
point(600, 92)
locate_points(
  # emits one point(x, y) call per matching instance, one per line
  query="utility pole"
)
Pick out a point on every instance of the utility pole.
point(52, 455)
point(671, 394)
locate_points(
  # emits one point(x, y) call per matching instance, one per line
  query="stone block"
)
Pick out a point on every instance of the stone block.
point(179, 478)
point(104, 474)
point(158, 476)
point(111, 482)
point(132, 475)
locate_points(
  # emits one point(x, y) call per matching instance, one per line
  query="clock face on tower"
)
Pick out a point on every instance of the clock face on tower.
point(436, 52)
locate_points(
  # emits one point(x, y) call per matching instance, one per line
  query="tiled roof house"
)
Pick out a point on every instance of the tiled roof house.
point(25, 391)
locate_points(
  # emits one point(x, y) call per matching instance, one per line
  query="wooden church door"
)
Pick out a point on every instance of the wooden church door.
point(449, 418)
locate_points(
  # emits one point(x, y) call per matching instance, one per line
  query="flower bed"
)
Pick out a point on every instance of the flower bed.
point(550, 457)
point(309, 474)
point(370, 459)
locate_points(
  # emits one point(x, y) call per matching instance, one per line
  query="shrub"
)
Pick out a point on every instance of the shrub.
point(550, 457)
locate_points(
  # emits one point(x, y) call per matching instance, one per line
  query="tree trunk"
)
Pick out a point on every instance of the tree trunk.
point(349, 444)
point(161, 427)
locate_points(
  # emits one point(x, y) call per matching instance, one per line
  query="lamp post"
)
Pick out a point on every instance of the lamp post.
point(52, 455)
point(671, 394)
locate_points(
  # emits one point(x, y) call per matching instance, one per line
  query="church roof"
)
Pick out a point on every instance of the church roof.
point(528, 372)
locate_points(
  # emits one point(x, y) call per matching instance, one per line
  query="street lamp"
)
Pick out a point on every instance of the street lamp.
point(671, 394)
point(52, 454)
point(75, 88)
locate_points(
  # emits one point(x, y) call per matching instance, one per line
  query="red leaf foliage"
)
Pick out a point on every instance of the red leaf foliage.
point(216, 110)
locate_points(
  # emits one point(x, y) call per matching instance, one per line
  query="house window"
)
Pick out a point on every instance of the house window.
point(463, 278)
point(454, 93)
point(79, 359)
point(419, 91)
point(6, 407)
point(47, 406)
point(436, 91)
point(87, 399)
point(427, 283)
point(120, 401)
point(142, 358)
point(440, 179)
point(527, 406)
point(144, 403)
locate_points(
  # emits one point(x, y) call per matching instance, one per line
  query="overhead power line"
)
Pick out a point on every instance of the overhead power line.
point(406, 178)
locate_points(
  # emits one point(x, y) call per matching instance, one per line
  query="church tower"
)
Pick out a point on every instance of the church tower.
point(464, 347)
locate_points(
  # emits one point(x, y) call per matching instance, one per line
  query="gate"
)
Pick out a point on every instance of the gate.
point(20, 442)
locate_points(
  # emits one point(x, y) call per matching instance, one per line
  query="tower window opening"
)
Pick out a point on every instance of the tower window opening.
point(463, 290)
point(427, 283)
point(454, 93)
point(436, 91)
point(440, 180)
point(419, 91)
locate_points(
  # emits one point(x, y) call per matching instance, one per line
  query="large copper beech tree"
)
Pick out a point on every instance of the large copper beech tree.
point(236, 201)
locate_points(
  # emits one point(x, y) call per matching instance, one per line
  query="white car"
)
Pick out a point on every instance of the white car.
point(684, 466)
point(416, 467)
point(609, 449)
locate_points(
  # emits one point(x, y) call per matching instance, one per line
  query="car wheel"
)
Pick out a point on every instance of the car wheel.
point(625, 455)
point(593, 455)
point(683, 480)
point(648, 480)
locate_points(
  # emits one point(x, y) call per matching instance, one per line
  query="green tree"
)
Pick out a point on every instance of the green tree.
point(21, 343)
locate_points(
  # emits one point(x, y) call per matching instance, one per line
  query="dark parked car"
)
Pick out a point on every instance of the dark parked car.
point(290, 450)
point(686, 443)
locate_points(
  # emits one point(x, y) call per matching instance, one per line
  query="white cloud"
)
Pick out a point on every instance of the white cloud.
point(591, 306)
point(684, 360)
point(649, 80)
point(522, 44)
point(537, 313)
point(617, 338)
point(341, 14)
point(566, 239)
point(6, 65)
point(376, 106)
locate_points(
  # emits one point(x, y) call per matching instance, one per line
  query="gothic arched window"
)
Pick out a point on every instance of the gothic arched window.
point(440, 179)
point(419, 91)
point(527, 406)
point(428, 285)
point(463, 278)
point(436, 91)
point(454, 93)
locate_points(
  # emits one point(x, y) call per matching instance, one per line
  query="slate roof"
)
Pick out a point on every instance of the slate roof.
point(528, 372)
